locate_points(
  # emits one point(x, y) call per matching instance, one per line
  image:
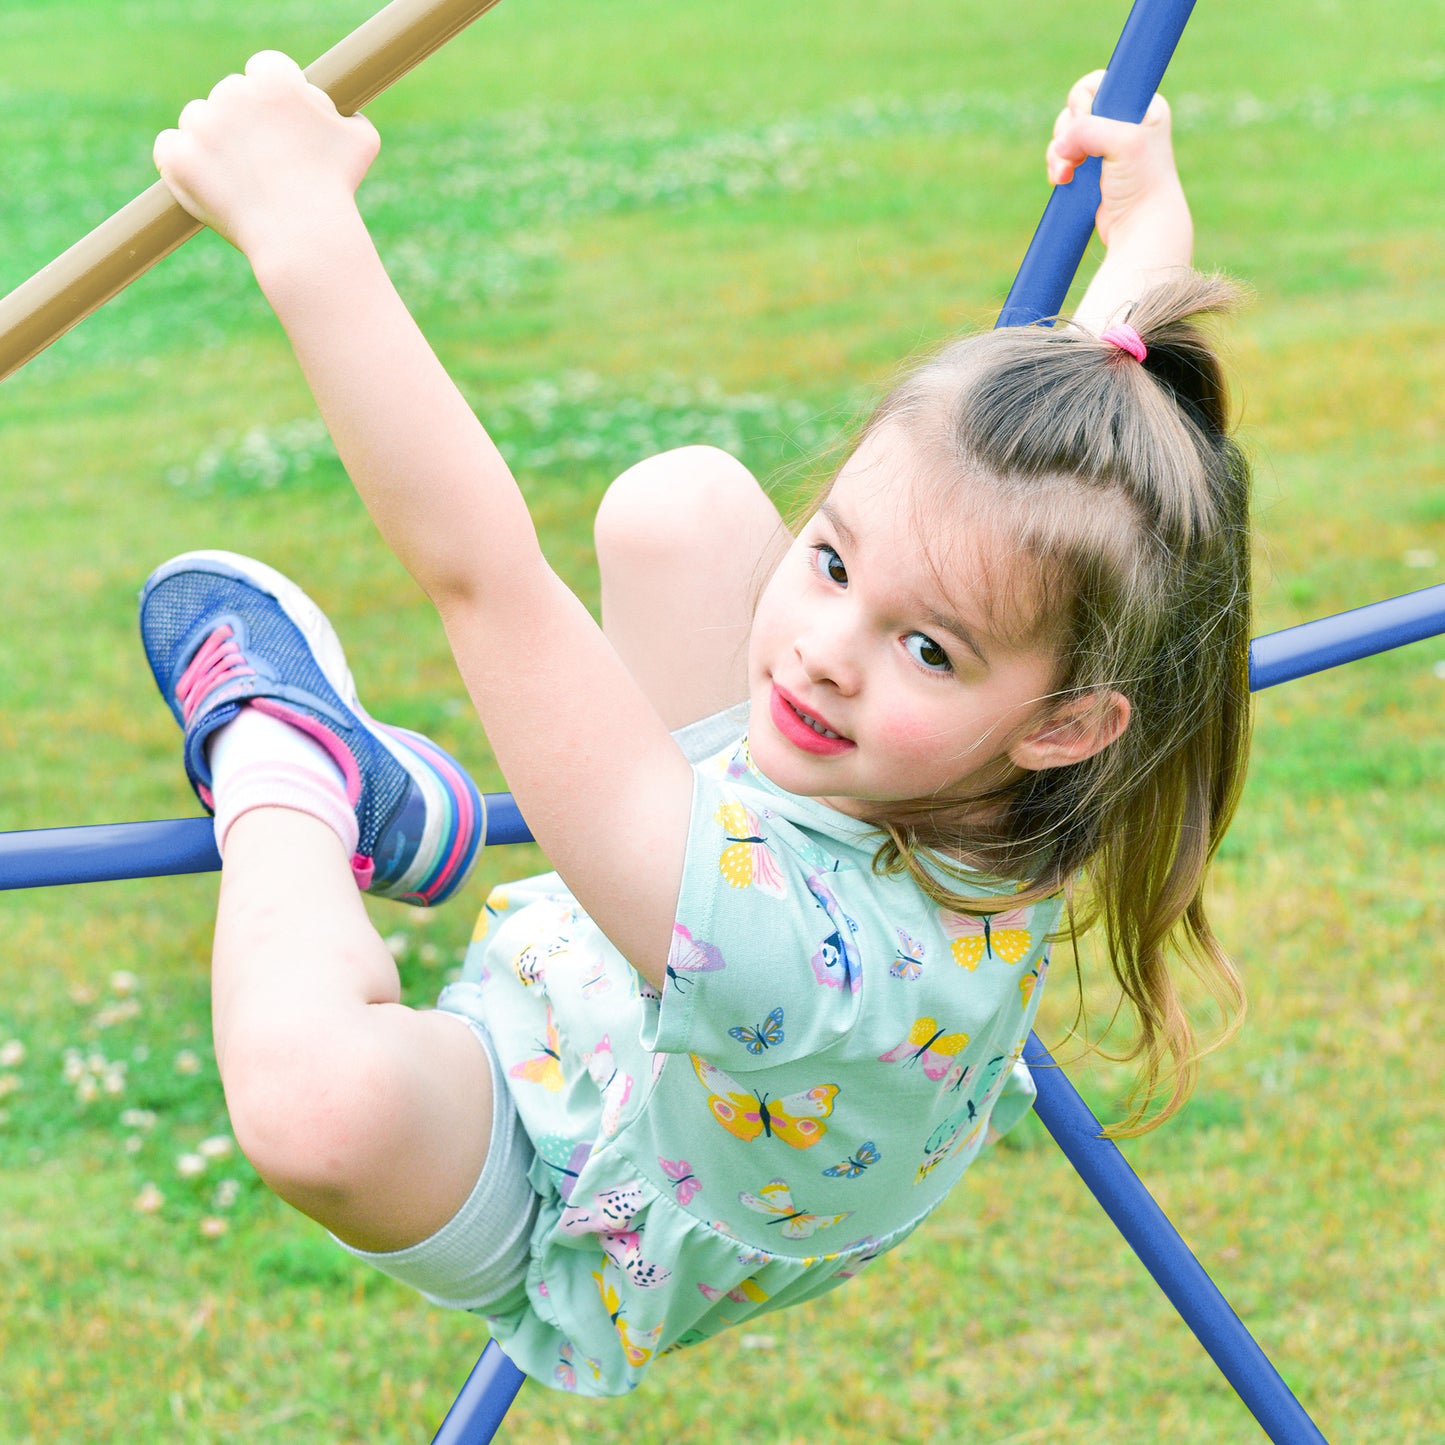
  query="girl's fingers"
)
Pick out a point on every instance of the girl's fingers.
point(191, 112)
point(164, 147)
point(274, 63)
point(1083, 91)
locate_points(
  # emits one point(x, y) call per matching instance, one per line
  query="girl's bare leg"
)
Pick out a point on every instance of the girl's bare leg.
point(685, 542)
point(372, 1118)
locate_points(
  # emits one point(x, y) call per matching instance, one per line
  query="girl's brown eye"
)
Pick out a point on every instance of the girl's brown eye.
point(830, 564)
point(923, 649)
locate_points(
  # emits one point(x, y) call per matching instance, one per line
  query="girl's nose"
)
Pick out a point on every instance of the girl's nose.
point(829, 654)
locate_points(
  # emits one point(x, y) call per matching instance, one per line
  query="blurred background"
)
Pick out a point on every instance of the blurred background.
point(625, 227)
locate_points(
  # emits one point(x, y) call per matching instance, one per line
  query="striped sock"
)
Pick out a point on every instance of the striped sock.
point(258, 761)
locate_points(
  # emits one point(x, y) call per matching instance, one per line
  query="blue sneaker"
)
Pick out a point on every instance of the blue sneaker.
point(222, 630)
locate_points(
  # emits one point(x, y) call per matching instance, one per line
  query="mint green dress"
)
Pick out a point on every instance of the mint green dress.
point(826, 1059)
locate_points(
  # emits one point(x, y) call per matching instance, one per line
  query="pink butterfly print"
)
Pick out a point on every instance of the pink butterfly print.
point(609, 1212)
point(689, 955)
point(613, 1084)
point(929, 1044)
point(746, 1293)
point(563, 1373)
point(684, 1181)
point(625, 1251)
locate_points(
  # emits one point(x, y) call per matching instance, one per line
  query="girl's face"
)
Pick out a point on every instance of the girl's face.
point(871, 681)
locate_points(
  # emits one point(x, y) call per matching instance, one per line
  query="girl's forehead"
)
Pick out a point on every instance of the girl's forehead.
point(946, 538)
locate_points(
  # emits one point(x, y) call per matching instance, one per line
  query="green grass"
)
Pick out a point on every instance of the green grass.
point(626, 226)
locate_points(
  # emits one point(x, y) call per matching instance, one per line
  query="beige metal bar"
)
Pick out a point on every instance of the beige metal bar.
point(84, 278)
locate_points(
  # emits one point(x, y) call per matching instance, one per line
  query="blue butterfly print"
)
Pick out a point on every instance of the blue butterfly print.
point(764, 1036)
point(865, 1156)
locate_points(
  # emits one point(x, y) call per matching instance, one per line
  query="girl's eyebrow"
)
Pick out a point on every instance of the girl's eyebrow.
point(944, 621)
point(844, 531)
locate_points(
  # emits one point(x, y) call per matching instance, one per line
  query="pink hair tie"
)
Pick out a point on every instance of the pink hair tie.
point(1127, 339)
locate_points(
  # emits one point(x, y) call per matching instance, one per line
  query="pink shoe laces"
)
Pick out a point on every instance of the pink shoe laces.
point(218, 661)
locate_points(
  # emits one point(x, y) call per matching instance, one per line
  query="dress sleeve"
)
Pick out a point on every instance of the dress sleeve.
point(765, 959)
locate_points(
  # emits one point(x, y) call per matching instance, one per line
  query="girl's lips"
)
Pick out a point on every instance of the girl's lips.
point(788, 717)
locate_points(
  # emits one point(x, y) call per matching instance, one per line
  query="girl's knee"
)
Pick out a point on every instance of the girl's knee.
point(307, 1108)
point(672, 497)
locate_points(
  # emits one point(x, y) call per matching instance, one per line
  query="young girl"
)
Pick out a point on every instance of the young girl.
point(770, 1005)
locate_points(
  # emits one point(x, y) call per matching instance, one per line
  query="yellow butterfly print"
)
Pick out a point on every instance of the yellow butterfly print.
point(775, 1199)
point(927, 1043)
point(989, 935)
point(747, 861)
point(637, 1353)
point(530, 964)
point(1033, 979)
point(748, 1292)
point(546, 1068)
point(796, 1119)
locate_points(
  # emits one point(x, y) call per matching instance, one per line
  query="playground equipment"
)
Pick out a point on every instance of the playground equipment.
point(355, 71)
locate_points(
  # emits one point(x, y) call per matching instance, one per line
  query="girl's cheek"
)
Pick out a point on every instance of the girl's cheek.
point(908, 732)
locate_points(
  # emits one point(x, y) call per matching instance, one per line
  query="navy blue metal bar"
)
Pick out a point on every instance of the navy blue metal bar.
point(1346, 637)
point(104, 852)
point(1135, 69)
point(485, 1398)
point(48, 857)
point(1176, 1271)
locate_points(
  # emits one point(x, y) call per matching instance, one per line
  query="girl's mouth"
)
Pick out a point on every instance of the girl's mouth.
point(803, 729)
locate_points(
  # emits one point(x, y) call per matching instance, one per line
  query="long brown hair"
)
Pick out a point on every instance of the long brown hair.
point(1122, 488)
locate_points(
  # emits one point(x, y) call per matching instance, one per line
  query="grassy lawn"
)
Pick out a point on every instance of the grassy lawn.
point(627, 226)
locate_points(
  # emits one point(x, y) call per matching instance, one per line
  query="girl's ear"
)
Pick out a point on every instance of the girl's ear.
point(1072, 732)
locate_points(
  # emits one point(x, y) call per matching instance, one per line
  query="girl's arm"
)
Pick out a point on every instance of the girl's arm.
point(269, 163)
point(1143, 218)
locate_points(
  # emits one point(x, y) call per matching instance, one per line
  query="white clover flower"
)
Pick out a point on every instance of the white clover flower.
point(397, 945)
point(430, 954)
point(117, 1013)
point(87, 1090)
point(138, 1119)
point(1420, 557)
point(123, 982)
point(8, 1084)
point(149, 1200)
point(218, 1146)
point(227, 1192)
point(113, 1080)
point(214, 1227)
point(187, 1062)
point(133, 1144)
point(74, 1066)
point(12, 1054)
point(190, 1166)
